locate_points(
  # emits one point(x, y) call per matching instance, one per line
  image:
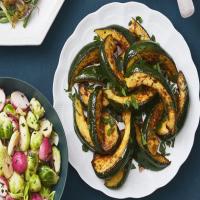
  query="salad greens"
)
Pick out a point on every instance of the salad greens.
point(13, 11)
point(30, 159)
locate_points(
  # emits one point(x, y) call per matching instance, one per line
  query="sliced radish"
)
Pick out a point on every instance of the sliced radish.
point(15, 122)
point(3, 187)
point(45, 151)
point(19, 162)
point(8, 197)
point(2, 99)
point(19, 100)
point(36, 196)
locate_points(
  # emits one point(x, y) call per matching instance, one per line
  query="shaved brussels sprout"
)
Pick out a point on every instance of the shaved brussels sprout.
point(24, 134)
point(47, 176)
point(35, 183)
point(16, 184)
point(54, 139)
point(6, 128)
point(46, 127)
point(46, 193)
point(32, 164)
point(32, 121)
point(6, 168)
point(9, 109)
point(56, 159)
point(36, 108)
point(36, 140)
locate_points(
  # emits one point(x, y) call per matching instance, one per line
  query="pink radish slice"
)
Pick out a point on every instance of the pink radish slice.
point(8, 197)
point(2, 99)
point(45, 150)
point(3, 187)
point(19, 100)
point(7, 100)
point(19, 162)
point(36, 196)
point(15, 122)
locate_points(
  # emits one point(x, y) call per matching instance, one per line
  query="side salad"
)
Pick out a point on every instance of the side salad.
point(13, 11)
point(29, 156)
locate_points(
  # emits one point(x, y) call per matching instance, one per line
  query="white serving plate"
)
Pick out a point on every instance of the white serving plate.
point(38, 26)
point(138, 184)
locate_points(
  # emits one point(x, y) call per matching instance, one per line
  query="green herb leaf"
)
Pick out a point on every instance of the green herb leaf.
point(153, 38)
point(157, 68)
point(85, 148)
point(144, 142)
point(130, 22)
point(133, 166)
point(71, 96)
point(123, 91)
point(97, 38)
point(134, 103)
point(127, 103)
point(139, 19)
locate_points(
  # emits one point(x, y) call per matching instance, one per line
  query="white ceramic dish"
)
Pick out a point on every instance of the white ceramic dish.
point(34, 34)
point(137, 184)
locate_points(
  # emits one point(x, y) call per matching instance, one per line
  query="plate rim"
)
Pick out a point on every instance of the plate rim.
point(59, 66)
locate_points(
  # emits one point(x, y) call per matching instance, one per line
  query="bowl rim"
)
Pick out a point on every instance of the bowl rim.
point(62, 186)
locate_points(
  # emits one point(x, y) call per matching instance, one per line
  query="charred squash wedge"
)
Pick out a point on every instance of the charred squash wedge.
point(88, 55)
point(93, 74)
point(148, 77)
point(119, 178)
point(141, 96)
point(138, 31)
point(85, 92)
point(122, 35)
point(151, 53)
point(104, 142)
point(111, 136)
point(183, 99)
point(108, 61)
point(150, 125)
point(105, 166)
point(144, 158)
point(80, 124)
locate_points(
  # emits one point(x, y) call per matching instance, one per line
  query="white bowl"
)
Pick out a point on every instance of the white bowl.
point(37, 28)
point(138, 184)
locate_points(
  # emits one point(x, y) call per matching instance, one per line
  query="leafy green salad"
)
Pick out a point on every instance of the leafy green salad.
point(29, 156)
point(13, 11)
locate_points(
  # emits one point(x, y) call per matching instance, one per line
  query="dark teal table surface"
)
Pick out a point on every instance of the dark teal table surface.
point(37, 65)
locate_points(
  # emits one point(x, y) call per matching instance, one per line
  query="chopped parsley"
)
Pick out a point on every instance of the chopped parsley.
point(85, 148)
point(97, 38)
point(123, 91)
point(132, 103)
point(157, 68)
point(153, 38)
point(71, 96)
point(139, 19)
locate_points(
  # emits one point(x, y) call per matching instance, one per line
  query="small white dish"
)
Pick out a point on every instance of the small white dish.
point(34, 34)
point(138, 184)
